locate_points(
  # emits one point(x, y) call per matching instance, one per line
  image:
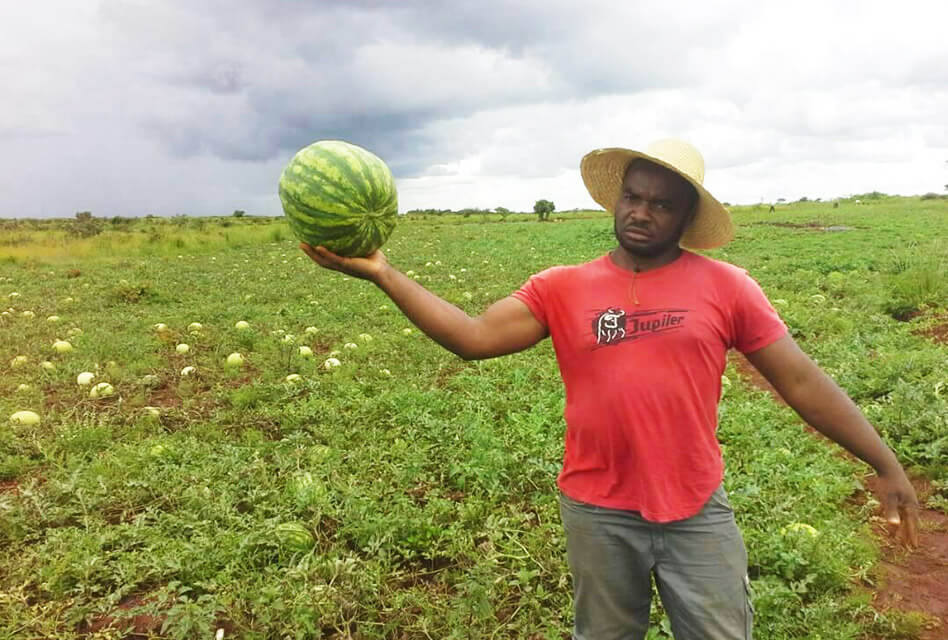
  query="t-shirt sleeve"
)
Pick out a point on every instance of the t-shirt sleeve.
point(756, 322)
point(533, 294)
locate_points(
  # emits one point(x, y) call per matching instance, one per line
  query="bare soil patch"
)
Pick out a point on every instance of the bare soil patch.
point(911, 580)
point(135, 626)
point(917, 579)
point(813, 225)
point(792, 225)
point(937, 331)
point(164, 396)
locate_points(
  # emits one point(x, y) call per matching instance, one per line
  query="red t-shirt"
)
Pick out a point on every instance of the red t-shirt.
point(641, 356)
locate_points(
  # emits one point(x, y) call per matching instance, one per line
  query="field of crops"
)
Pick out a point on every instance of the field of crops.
point(406, 493)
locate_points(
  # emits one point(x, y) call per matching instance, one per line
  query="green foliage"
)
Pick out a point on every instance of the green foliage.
point(429, 492)
point(918, 279)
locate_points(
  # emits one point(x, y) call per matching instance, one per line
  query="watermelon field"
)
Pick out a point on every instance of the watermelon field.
point(345, 477)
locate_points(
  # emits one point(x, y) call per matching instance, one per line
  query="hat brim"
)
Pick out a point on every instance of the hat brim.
point(603, 171)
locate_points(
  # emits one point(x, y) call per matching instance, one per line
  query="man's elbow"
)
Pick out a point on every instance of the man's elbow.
point(469, 353)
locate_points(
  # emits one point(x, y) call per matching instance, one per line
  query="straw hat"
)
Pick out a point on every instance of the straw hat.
point(604, 169)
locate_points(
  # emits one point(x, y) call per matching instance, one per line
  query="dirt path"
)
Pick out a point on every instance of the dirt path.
point(915, 580)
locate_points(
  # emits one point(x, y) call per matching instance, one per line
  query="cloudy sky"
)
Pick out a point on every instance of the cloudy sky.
point(129, 107)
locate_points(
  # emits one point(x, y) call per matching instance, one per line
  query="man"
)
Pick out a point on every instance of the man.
point(641, 336)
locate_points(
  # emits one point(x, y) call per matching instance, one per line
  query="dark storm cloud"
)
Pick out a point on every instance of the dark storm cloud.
point(389, 135)
point(264, 79)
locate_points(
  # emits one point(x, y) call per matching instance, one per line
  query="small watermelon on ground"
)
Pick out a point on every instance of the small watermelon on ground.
point(308, 492)
point(294, 537)
point(340, 196)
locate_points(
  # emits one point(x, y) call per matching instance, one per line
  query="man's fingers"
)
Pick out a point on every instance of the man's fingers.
point(910, 525)
point(892, 512)
point(308, 250)
point(903, 522)
point(320, 255)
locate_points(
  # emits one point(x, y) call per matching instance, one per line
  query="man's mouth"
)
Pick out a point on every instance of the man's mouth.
point(636, 233)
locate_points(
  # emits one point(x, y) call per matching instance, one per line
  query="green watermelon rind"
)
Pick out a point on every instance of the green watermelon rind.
point(340, 196)
point(294, 536)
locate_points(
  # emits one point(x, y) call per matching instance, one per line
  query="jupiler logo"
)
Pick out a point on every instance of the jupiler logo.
point(615, 325)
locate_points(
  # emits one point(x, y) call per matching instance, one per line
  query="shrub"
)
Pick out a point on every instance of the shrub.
point(132, 293)
point(85, 226)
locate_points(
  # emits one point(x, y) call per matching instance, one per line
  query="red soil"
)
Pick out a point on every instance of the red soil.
point(937, 332)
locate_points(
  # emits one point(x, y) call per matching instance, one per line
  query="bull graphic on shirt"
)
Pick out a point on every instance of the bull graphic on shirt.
point(610, 326)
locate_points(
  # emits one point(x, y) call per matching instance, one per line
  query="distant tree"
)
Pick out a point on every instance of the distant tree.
point(543, 209)
point(502, 211)
point(239, 213)
point(872, 195)
point(87, 226)
point(781, 199)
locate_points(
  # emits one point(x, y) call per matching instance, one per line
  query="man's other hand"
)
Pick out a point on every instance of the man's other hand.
point(900, 506)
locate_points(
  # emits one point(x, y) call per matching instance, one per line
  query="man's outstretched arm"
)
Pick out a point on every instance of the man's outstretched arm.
point(827, 408)
point(505, 327)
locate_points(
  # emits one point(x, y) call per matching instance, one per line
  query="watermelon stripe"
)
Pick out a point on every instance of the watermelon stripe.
point(375, 178)
point(311, 209)
point(350, 174)
point(324, 197)
point(318, 191)
point(338, 173)
point(317, 225)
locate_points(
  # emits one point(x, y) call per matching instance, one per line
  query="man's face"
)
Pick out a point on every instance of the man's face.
point(654, 208)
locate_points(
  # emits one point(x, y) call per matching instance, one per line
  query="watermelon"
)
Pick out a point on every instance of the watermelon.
point(294, 537)
point(340, 196)
point(308, 492)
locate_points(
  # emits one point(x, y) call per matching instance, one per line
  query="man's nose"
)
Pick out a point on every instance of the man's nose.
point(638, 210)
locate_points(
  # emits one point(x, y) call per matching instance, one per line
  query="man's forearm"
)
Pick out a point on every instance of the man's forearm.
point(443, 322)
point(827, 408)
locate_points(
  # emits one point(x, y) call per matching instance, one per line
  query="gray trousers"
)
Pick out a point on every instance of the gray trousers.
point(699, 564)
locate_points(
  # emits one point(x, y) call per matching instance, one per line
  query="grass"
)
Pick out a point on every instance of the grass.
point(431, 492)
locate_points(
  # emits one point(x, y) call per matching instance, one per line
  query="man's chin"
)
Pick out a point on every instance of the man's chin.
point(644, 250)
